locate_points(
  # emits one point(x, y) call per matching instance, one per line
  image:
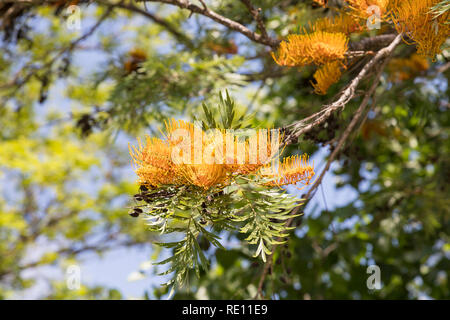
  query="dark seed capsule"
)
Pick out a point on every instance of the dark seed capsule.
point(278, 261)
point(204, 243)
point(138, 210)
point(137, 197)
point(143, 188)
point(134, 214)
point(288, 254)
point(283, 279)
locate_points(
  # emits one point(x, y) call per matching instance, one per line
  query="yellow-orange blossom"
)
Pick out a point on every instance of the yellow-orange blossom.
point(155, 165)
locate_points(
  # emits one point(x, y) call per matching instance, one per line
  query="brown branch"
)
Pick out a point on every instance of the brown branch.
point(296, 129)
point(443, 68)
point(358, 115)
point(204, 10)
point(369, 44)
point(102, 245)
point(256, 13)
point(153, 17)
point(373, 43)
point(17, 81)
point(346, 95)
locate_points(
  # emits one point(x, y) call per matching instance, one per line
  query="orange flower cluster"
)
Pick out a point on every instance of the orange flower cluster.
point(153, 161)
point(136, 58)
point(360, 7)
point(413, 18)
point(326, 76)
point(183, 159)
point(322, 3)
point(316, 48)
point(292, 170)
point(342, 23)
point(324, 43)
point(401, 69)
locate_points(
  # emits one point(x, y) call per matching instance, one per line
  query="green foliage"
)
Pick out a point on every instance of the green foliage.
point(441, 8)
point(63, 194)
point(245, 205)
point(166, 85)
point(227, 115)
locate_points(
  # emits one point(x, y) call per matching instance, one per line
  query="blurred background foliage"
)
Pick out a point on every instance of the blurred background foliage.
point(70, 101)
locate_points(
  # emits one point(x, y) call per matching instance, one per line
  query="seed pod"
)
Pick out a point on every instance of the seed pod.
point(288, 254)
point(134, 214)
point(278, 261)
point(204, 243)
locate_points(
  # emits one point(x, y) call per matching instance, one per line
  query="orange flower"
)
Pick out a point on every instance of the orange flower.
point(343, 23)
point(318, 47)
point(401, 69)
point(253, 153)
point(327, 76)
point(360, 7)
point(413, 18)
point(154, 166)
point(322, 3)
point(136, 58)
point(292, 170)
point(207, 162)
point(204, 175)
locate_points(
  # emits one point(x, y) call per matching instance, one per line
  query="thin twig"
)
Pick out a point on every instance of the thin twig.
point(256, 37)
point(153, 17)
point(296, 129)
point(346, 95)
point(256, 13)
point(17, 81)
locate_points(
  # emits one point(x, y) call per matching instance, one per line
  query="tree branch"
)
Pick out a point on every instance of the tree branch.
point(346, 95)
point(158, 20)
point(295, 130)
point(204, 10)
point(256, 13)
point(17, 81)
